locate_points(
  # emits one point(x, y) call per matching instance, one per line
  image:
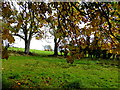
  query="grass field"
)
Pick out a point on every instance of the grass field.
point(43, 71)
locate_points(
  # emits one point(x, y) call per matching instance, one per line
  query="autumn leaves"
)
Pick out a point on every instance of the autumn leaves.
point(64, 18)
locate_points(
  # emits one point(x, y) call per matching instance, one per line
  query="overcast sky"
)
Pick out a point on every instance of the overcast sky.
point(37, 44)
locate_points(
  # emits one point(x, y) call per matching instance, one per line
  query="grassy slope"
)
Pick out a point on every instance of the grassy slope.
point(53, 72)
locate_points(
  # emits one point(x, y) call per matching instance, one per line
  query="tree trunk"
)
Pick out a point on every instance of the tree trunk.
point(87, 49)
point(55, 47)
point(27, 46)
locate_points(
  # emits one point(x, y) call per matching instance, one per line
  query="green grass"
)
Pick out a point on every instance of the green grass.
point(43, 71)
point(43, 53)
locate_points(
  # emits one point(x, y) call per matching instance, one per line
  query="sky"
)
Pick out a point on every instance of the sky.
point(36, 44)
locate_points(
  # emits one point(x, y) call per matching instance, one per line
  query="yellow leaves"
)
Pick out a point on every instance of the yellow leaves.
point(20, 3)
point(97, 15)
point(4, 37)
point(8, 37)
point(41, 18)
point(55, 23)
point(50, 19)
point(112, 11)
point(97, 34)
point(77, 31)
point(41, 25)
point(76, 22)
point(6, 11)
point(111, 36)
point(45, 22)
point(104, 47)
point(20, 20)
point(27, 16)
point(18, 26)
point(110, 51)
point(109, 5)
point(105, 24)
point(93, 23)
point(117, 6)
point(11, 21)
point(118, 18)
point(6, 33)
point(19, 83)
point(115, 16)
point(71, 18)
point(83, 46)
point(94, 28)
point(58, 35)
point(12, 40)
point(37, 38)
point(79, 18)
point(33, 7)
point(88, 33)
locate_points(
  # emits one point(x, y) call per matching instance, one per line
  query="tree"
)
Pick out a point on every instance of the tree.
point(54, 22)
point(104, 18)
point(29, 19)
point(54, 32)
point(64, 23)
point(99, 23)
point(6, 22)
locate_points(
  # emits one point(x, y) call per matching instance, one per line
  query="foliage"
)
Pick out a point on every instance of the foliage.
point(25, 22)
point(6, 21)
point(101, 20)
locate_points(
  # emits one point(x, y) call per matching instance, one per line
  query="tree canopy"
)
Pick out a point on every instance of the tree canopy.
point(101, 20)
